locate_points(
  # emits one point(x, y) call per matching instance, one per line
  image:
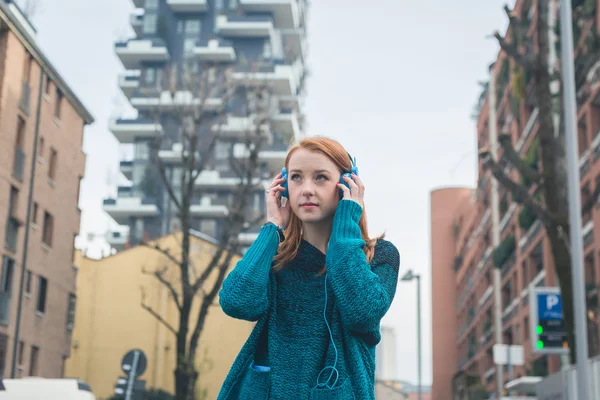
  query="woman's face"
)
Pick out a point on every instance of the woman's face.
point(312, 185)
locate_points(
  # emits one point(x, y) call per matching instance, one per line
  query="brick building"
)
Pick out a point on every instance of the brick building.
point(42, 164)
point(463, 254)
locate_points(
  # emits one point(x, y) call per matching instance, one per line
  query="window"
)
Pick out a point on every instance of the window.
point(41, 147)
point(13, 202)
point(34, 216)
point(33, 361)
point(52, 164)
point(208, 227)
point(58, 105)
point(48, 229)
point(20, 133)
point(267, 53)
point(19, 160)
point(20, 353)
point(27, 67)
point(28, 276)
point(8, 267)
point(12, 222)
point(188, 46)
point(233, 4)
point(141, 150)
point(192, 26)
point(71, 311)
point(150, 75)
point(48, 83)
point(151, 4)
point(149, 24)
point(41, 294)
point(3, 349)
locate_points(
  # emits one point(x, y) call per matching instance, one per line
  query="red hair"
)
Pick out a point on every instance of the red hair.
point(333, 150)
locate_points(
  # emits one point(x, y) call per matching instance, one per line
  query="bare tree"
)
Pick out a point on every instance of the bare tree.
point(543, 191)
point(198, 101)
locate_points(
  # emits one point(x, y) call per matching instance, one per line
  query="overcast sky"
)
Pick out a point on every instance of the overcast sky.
point(394, 80)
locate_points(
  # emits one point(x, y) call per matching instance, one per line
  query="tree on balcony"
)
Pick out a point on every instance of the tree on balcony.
point(529, 53)
point(198, 128)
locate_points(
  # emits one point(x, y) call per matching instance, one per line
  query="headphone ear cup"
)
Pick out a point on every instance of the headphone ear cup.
point(343, 182)
point(284, 175)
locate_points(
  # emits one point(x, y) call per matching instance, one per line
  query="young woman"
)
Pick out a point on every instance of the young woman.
point(316, 284)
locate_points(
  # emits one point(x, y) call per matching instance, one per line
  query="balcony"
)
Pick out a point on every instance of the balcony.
point(188, 6)
point(136, 21)
point(117, 239)
point(217, 180)
point(164, 101)
point(135, 51)
point(215, 50)
point(19, 164)
point(208, 210)
point(121, 208)
point(286, 13)
point(175, 154)
point(127, 130)
point(248, 27)
point(273, 157)
point(126, 167)
point(129, 82)
point(286, 124)
point(284, 79)
point(237, 127)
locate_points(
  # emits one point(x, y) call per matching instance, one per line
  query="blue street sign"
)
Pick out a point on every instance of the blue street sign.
point(549, 306)
point(547, 323)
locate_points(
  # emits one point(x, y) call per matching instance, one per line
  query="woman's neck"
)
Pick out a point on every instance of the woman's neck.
point(318, 234)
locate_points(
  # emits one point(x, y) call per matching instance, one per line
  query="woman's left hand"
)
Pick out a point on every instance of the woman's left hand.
point(357, 189)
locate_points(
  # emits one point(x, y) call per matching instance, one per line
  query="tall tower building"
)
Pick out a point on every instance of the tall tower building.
point(255, 39)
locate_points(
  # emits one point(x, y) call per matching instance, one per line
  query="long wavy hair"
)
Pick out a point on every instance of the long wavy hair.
point(288, 249)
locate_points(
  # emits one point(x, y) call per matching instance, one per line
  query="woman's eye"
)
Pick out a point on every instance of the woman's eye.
point(295, 176)
point(321, 177)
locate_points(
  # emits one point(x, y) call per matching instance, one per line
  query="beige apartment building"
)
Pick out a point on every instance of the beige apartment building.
point(461, 238)
point(41, 166)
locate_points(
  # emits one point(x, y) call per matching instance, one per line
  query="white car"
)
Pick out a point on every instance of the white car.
point(34, 388)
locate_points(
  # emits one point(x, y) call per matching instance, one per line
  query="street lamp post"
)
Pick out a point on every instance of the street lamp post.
point(409, 276)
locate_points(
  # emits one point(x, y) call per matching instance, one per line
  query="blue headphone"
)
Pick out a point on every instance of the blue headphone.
point(353, 169)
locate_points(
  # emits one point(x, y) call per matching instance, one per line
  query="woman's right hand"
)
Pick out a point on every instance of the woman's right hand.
point(276, 213)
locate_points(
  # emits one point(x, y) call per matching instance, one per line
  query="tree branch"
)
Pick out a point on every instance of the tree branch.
point(156, 315)
point(515, 159)
point(208, 300)
point(520, 192)
point(512, 48)
point(160, 276)
point(164, 252)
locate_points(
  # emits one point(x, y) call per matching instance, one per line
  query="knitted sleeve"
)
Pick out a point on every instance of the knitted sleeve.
point(364, 291)
point(244, 294)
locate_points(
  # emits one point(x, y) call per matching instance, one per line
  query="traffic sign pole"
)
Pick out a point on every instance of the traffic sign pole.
point(132, 374)
point(573, 186)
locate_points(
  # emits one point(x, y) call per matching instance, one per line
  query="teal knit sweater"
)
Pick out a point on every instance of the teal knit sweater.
point(290, 336)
